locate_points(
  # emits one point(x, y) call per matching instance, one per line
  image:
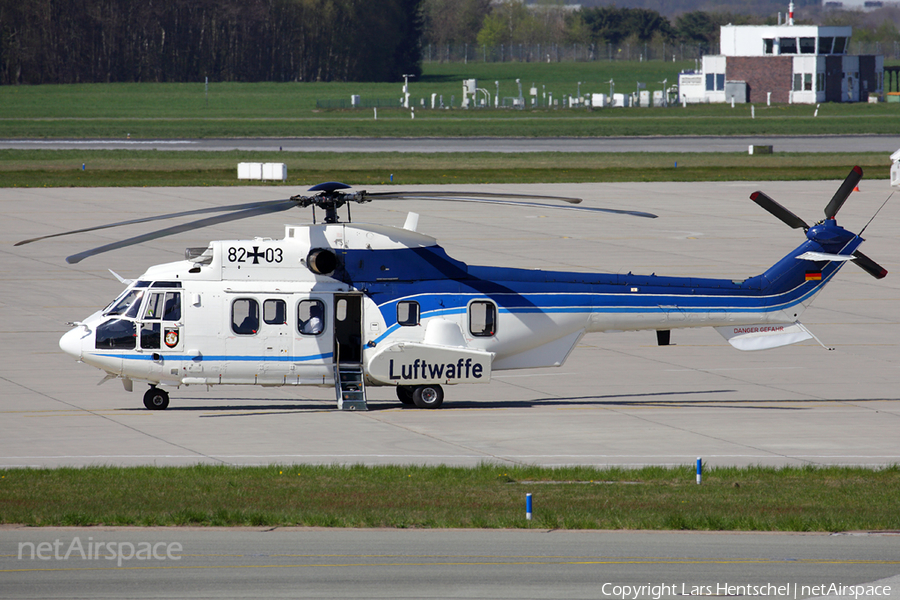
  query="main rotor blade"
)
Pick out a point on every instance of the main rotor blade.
point(779, 211)
point(869, 266)
point(187, 213)
point(843, 192)
point(266, 208)
point(451, 195)
point(615, 211)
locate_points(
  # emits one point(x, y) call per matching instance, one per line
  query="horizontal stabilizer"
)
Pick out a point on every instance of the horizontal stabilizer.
point(763, 336)
point(822, 256)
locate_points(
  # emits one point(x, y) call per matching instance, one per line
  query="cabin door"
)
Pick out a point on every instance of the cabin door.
point(348, 328)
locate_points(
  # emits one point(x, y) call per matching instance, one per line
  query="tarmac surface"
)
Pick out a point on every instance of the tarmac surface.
point(619, 400)
point(393, 563)
point(780, 143)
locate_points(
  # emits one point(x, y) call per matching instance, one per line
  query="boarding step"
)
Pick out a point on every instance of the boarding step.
point(350, 387)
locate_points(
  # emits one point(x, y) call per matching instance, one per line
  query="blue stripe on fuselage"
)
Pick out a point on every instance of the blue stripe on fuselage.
point(526, 291)
point(214, 357)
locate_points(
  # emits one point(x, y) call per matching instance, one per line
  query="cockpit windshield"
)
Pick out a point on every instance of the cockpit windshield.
point(127, 304)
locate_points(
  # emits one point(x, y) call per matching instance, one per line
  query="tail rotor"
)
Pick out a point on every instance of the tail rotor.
point(831, 209)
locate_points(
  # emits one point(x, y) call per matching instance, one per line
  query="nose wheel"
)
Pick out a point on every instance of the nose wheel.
point(156, 399)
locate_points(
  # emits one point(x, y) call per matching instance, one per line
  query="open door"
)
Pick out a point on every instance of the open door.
point(348, 328)
point(349, 381)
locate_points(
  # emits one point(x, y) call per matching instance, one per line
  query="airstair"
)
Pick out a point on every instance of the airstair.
point(350, 387)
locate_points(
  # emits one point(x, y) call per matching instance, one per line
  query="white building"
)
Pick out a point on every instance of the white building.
point(784, 64)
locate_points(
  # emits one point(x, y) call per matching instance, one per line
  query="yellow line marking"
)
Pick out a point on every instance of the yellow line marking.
point(467, 563)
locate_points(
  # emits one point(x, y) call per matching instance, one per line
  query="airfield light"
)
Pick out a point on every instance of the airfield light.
point(406, 77)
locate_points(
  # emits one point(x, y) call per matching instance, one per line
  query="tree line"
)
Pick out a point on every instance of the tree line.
point(54, 41)
point(513, 22)
point(70, 41)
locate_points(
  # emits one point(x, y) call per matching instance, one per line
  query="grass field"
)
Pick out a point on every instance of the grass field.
point(62, 168)
point(190, 110)
point(749, 499)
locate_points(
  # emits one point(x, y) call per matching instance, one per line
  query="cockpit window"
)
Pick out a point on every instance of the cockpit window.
point(172, 308)
point(164, 305)
point(128, 305)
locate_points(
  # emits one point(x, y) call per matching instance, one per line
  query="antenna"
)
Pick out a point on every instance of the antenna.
point(875, 215)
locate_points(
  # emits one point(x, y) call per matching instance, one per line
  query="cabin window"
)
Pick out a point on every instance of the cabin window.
point(407, 313)
point(768, 46)
point(245, 316)
point(825, 45)
point(839, 45)
point(482, 319)
point(275, 312)
point(116, 334)
point(311, 317)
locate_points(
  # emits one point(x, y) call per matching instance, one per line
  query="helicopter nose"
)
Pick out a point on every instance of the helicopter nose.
point(70, 343)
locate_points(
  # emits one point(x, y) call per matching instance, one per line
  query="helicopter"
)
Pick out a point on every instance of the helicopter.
point(352, 305)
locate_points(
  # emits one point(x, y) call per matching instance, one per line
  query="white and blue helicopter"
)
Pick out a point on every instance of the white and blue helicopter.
point(351, 305)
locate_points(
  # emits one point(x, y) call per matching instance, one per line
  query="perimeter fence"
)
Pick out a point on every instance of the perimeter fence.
point(640, 51)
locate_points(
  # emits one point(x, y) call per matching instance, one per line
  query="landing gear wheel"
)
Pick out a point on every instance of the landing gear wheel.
point(405, 394)
point(428, 396)
point(156, 399)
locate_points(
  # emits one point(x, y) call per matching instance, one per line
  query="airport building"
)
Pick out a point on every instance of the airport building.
point(801, 64)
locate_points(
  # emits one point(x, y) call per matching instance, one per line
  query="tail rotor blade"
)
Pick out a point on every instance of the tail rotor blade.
point(785, 215)
point(869, 266)
point(840, 196)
